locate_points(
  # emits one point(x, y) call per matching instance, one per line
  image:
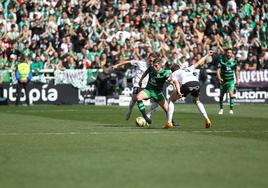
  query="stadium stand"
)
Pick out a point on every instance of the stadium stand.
point(95, 34)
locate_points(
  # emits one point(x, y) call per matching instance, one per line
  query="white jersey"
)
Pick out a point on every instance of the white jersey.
point(184, 75)
point(140, 68)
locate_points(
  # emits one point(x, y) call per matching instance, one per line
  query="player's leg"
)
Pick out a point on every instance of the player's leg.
point(153, 108)
point(202, 110)
point(195, 90)
point(158, 96)
point(164, 105)
point(132, 102)
point(222, 93)
point(131, 105)
point(200, 107)
point(170, 110)
point(231, 89)
point(171, 102)
point(232, 97)
point(142, 95)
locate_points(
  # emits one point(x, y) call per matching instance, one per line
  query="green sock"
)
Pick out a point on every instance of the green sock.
point(232, 102)
point(141, 105)
point(141, 108)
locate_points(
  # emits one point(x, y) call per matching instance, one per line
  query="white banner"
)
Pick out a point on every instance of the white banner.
point(100, 100)
point(124, 100)
point(78, 78)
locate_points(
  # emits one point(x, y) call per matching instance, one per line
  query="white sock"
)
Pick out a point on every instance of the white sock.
point(170, 111)
point(153, 108)
point(201, 109)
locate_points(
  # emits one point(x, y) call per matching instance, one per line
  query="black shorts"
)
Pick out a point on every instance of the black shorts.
point(136, 90)
point(192, 87)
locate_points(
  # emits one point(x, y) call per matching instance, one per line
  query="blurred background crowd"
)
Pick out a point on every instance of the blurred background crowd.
point(96, 34)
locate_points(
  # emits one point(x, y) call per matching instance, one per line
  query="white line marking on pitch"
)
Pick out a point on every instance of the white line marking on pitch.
point(54, 110)
point(120, 132)
point(78, 133)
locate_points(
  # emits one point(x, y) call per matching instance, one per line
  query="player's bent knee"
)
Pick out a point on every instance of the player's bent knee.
point(139, 97)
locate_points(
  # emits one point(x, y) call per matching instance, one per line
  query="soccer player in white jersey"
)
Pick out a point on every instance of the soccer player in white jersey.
point(140, 67)
point(185, 83)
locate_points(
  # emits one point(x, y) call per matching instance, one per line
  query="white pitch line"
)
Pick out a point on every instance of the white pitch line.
point(226, 131)
point(78, 133)
point(122, 132)
point(51, 110)
point(55, 110)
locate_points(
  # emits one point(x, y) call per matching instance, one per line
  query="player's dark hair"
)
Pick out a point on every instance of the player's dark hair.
point(174, 67)
point(229, 48)
point(157, 60)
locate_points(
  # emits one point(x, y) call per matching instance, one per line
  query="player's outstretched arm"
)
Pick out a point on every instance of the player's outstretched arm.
point(203, 59)
point(120, 64)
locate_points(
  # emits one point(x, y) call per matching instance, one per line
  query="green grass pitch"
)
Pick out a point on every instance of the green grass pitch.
point(73, 146)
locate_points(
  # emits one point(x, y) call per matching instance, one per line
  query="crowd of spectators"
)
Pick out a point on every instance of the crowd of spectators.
point(76, 34)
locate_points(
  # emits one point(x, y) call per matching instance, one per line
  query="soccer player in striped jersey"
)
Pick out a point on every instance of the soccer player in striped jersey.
point(185, 83)
point(153, 90)
point(228, 76)
point(140, 67)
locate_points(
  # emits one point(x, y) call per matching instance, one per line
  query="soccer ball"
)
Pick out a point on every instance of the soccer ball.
point(140, 121)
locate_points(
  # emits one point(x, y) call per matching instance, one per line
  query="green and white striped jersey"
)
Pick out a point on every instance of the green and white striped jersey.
point(227, 67)
point(157, 79)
